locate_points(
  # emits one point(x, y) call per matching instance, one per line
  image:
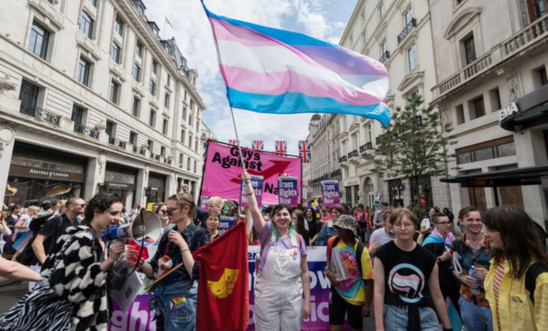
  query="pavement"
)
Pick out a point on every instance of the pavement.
point(11, 292)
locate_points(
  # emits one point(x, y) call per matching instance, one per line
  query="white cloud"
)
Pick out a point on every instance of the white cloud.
point(195, 40)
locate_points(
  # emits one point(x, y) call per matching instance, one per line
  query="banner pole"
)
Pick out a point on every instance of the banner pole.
point(237, 139)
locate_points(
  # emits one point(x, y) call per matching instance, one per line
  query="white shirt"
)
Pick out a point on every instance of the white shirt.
point(381, 237)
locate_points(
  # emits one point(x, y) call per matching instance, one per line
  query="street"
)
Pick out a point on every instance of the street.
point(11, 293)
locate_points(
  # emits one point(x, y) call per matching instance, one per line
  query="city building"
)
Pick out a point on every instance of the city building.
point(491, 60)
point(399, 34)
point(324, 138)
point(92, 100)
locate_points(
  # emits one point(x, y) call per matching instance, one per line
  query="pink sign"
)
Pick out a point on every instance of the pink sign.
point(223, 171)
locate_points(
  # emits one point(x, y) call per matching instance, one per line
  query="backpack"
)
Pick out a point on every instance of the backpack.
point(27, 256)
point(531, 278)
point(359, 252)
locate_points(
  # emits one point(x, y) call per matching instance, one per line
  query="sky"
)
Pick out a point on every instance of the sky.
point(322, 19)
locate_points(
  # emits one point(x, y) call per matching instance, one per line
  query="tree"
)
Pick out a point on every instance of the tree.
point(414, 144)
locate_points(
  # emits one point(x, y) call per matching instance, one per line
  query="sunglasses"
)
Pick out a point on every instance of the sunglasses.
point(169, 212)
point(83, 205)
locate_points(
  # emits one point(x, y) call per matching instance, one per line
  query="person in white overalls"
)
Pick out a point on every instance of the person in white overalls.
point(283, 275)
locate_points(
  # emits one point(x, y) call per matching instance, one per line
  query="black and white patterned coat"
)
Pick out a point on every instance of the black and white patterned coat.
point(77, 277)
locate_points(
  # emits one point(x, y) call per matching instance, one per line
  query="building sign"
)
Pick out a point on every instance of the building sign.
point(49, 174)
point(510, 110)
point(120, 186)
point(503, 182)
point(351, 182)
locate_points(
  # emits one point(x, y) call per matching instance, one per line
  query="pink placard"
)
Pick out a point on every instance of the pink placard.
point(223, 171)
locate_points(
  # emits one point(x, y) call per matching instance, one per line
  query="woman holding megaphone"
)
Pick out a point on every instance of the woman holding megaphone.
point(175, 295)
point(72, 294)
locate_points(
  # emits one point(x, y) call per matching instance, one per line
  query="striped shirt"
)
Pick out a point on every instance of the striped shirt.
point(497, 280)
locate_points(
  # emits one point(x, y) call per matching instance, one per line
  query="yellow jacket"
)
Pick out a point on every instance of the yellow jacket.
point(517, 312)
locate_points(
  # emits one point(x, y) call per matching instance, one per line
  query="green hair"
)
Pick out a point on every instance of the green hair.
point(274, 230)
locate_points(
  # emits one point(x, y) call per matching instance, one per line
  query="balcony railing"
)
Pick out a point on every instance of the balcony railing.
point(532, 33)
point(336, 173)
point(40, 113)
point(343, 159)
point(116, 142)
point(352, 154)
point(407, 29)
point(87, 131)
point(385, 56)
point(367, 146)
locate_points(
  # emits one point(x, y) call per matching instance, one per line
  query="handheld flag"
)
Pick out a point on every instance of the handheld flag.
point(257, 145)
point(223, 288)
point(304, 151)
point(281, 147)
point(269, 70)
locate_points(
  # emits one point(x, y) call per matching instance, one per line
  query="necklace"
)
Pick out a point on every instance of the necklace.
point(475, 245)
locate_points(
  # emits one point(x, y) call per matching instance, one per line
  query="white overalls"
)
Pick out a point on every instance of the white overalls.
point(278, 291)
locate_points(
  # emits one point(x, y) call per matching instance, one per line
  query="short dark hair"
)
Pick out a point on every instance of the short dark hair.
point(463, 213)
point(71, 202)
point(436, 216)
point(214, 214)
point(101, 202)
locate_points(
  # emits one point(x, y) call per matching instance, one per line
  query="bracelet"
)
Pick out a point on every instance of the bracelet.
point(461, 276)
point(249, 193)
point(184, 250)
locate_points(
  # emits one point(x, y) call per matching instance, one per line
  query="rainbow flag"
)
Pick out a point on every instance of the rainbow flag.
point(269, 70)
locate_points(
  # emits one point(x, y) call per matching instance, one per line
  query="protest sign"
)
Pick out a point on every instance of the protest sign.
point(225, 223)
point(257, 184)
point(203, 203)
point(288, 192)
point(223, 171)
point(330, 193)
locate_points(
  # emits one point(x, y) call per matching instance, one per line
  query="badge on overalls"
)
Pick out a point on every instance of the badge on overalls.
point(294, 254)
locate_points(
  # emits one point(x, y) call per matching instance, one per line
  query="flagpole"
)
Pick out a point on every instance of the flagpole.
point(237, 139)
point(164, 30)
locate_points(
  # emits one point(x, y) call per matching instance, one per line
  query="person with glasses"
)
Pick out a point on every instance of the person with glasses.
point(439, 242)
point(472, 250)
point(406, 281)
point(162, 214)
point(45, 241)
point(175, 295)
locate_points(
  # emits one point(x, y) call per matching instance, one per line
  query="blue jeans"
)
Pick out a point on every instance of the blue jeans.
point(177, 302)
point(474, 317)
point(395, 319)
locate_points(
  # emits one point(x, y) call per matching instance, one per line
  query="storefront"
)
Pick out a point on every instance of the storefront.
point(425, 198)
point(351, 191)
point(395, 190)
point(156, 189)
point(38, 174)
point(120, 180)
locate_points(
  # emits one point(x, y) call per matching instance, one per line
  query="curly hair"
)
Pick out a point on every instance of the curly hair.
point(100, 202)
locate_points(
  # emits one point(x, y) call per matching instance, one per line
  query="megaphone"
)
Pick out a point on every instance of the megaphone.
point(145, 229)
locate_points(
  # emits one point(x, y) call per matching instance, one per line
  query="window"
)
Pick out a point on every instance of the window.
point(136, 72)
point(196, 145)
point(460, 114)
point(536, 8)
point(168, 80)
point(181, 159)
point(470, 49)
point(369, 133)
point(113, 96)
point(139, 49)
point(109, 128)
point(164, 127)
point(494, 95)
point(188, 164)
point(93, 2)
point(191, 105)
point(381, 11)
point(407, 17)
point(190, 120)
point(86, 25)
point(115, 52)
point(183, 137)
point(39, 38)
point(412, 57)
point(166, 101)
point(152, 118)
point(163, 151)
point(195, 166)
point(77, 116)
point(132, 138)
point(184, 113)
point(150, 145)
point(29, 97)
point(152, 88)
point(539, 77)
point(154, 67)
point(478, 108)
point(119, 25)
point(383, 47)
point(364, 38)
point(135, 107)
point(362, 18)
point(141, 9)
point(83, 71)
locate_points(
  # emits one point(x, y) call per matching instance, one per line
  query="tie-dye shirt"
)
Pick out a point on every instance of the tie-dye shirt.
point(352, 289)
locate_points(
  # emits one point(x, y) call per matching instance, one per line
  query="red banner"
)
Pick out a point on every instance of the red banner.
point(223, 285)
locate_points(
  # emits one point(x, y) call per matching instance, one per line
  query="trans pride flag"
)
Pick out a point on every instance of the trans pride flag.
point(268, 70)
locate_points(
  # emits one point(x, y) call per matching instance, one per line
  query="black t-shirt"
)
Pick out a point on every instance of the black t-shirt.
point(53, 229)
point(406, 274)
point(313, 228)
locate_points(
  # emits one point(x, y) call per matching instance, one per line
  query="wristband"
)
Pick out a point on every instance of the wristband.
point(249, 193)
point(461, 276)
point(184, 250)
point(449, 329)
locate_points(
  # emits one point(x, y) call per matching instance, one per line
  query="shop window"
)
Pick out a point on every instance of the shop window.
point(486, 151)
point(508, 149)
point(469, 49)
point(87, 25)
point(39, 40)
point(460, 114)
point(84, 68)
point(114, 90)
point(119, 25)
point(483, 154)
point(477, 108)
point(539, 77)
point(116, 53)
point(136, 107)
point(494, 95)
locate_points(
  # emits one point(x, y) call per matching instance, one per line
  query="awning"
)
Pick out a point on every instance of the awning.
point(528, 111)
point(512, 177)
